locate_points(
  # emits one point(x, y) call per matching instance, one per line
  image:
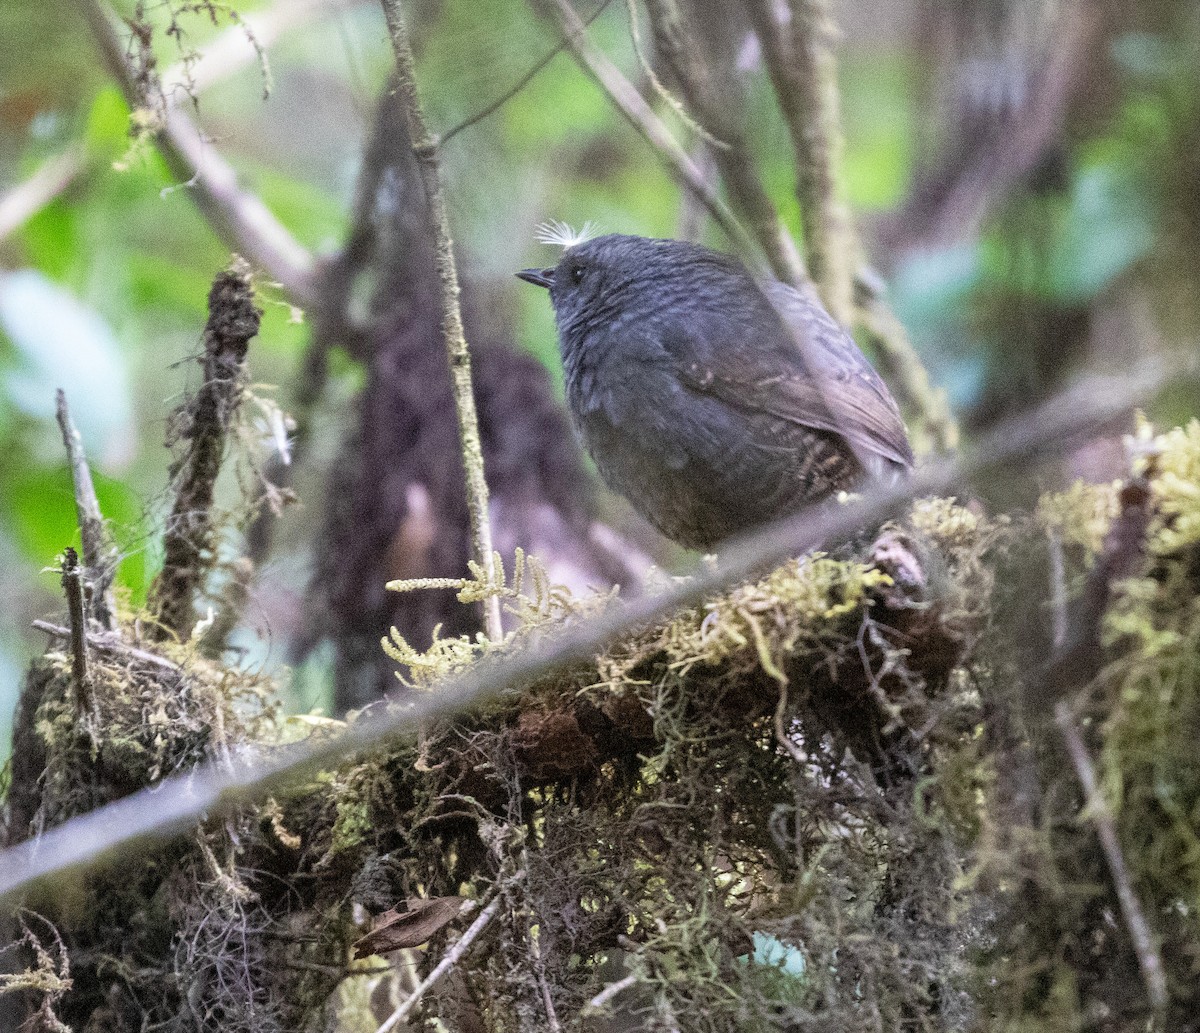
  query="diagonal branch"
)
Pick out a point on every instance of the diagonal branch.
point(26, 199)
point(239, 217)
point(626, 99)
point(184, 799)
point(680, 49)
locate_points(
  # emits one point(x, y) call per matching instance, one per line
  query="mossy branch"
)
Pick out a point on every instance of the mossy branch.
point(203, 423)
point(426, 150)
point(212, 787)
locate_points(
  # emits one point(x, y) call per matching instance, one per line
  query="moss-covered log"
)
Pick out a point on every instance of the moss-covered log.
point(831, 799)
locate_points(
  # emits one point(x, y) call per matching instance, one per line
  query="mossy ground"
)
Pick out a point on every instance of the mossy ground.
point(829, 799)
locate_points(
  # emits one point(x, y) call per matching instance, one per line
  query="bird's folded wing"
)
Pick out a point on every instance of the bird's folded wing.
point(762, 371)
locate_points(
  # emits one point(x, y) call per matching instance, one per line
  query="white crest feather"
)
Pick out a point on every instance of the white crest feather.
point(560, 234)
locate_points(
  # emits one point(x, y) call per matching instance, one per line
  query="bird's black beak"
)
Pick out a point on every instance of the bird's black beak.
point(540, 277)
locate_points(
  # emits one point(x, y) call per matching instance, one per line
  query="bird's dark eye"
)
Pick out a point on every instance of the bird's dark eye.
point(576, 274)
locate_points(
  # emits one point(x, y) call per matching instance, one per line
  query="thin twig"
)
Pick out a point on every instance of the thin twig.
point(681, 51)
point(905, 371)
point(239, 217)
point(72, 582)
point(425, 149)
point(1097, 810)
point(99, 552)
point(108, 642)
point(452, 957)
point(535, 952)
point(210, 787)
point(626, 99)
point(490, 109)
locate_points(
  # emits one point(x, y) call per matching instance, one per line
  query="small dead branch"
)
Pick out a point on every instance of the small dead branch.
point(99, 553)
point(203, 423)
point(109, 642)
point(452, 957)
point(238, 217)
point(1097, 811)
point(626, 99)
point(72, 582)
point(425, 148)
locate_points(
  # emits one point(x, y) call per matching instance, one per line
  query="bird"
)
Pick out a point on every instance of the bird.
point(713, 401)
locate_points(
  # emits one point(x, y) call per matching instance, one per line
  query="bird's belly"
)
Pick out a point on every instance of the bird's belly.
point(717, 478)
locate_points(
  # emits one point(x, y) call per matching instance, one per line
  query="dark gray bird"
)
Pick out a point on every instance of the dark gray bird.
point(714, 406)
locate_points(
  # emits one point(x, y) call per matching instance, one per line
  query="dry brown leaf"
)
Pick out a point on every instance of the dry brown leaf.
point(394, 930)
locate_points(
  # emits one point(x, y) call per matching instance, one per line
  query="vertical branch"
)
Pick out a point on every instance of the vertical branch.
point(803, 71)
point(72, 582)
point(99, 553)
point(800, 61)
point(425, 149)
point(203, 422)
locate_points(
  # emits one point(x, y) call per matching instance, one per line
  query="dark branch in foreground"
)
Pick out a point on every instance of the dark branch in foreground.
point(179, 801)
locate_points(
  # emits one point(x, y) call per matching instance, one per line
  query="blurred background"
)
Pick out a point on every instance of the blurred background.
point(1024, 174)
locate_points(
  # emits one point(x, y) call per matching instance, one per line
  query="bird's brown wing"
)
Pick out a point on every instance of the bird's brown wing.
point(770, 374)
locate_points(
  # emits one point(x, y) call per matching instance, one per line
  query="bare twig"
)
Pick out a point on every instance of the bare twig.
point(1097, 810)
point(425, 149)
point(99, 552)
point(452, 957)
point(72, 582)
point(681, 51)
point(203, 422)
point(535, 69)
point(626, 99)
point(107, 642)
point(182, 799)
point(26, 199)
point(611, 991)
point(803, 70)
point(238, 217)
point(243, 43)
